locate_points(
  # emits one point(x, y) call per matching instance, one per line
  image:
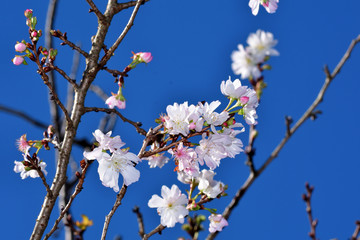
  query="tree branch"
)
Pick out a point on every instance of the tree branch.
point(121, 6)
point(307, 199)
point(78, 189)
point(356, 232)
point(95, 9)
point(108, 110)
point(130, 23)
point(139, 217)
point(158, 229)
point(308, 113)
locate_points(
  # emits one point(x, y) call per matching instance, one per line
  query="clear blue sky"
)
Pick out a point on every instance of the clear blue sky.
point(191, 42)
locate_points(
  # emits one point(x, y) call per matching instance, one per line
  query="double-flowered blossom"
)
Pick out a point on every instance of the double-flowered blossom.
point(233, 89)
point(244, 63)
point(217, 223)
point(211, 117)
point(26, 168)
point(120, 161)
point(247, 60)
point(170, 206)
point(186, 159)
point(269, 5)
point(208, 185)
point(261, 45)
point(181, 118)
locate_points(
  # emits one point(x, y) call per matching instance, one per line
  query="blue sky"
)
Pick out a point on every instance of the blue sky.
point(191, 42)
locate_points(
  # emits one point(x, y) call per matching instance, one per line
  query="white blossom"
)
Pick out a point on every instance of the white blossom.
point(232, 145)
point(269, 5)
point(186, 159)
point(232, 89)
point(211, 117)
point(25, 171)
point(211, 150)
point(105, 142)
point(119, 162)
point(209, 186)
point(261, 44)
point(177, 121)
point(170, 206)
point(217, 223)
point(156, 160)
point(244, 63)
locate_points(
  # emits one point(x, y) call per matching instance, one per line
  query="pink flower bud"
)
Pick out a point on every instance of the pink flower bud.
point(17, 60)
point(192, 126)
point(34, 34)
point(20, 47)
point(112, 102)
point(146, 57)
point(28, 13)
point(244, 100)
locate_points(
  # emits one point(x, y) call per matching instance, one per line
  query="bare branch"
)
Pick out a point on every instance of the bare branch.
point(94, 9)
point(121, 6)
point(356, 232)
point(78, 189)
point(158, 229)
point(71, 81)
point(42, 176)
point(307, 199)
point(24, 116)
point(130, 23)
point(63, 37)
point(108, 110)
point(251, 178)
point(139, 217)
point(117, 203)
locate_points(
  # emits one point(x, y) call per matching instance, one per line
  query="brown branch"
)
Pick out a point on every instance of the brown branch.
point(24, 116)
point(356, 232)
point(108, 110)
point(95, 9)
point(78, 189)
point(121, 6)
point(158, 229)
point(307, 199)
point(63, 37)
point(42, 176)
point(308, 113)
point(139, 217)
point(62, 73)
point(117, 203)
point(130, 23)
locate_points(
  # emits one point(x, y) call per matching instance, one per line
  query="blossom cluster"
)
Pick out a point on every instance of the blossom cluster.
point(120, 161)
point(247, 60)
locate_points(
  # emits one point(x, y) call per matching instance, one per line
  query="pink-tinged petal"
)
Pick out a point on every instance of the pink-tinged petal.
point(18, 60)
point(156, 202)
point(20, 47)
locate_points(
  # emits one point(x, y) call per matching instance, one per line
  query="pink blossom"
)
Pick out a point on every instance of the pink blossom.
point(244, 100)
point(34, 34)
point(17, 60)
point(217, 222)
point(145, 57)
point(113, 101)
point(22, 143)
point(20, 47)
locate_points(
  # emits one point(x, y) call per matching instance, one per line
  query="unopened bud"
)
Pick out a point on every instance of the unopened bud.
point(20, 47)
point(82, 163)
point(77, 174)
point(28, 13)
point(34, 34)
point(17, 60)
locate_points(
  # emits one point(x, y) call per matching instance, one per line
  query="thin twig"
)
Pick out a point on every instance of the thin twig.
point(63, 37)
point(108, 110)
point(307, 199)
point(95, 9)
point(117, 203)
point(98, 91)
point(158, 229)
point(42, 176)
point(130, 23)
point(24, 116)
point(71, 81)
point(139, 217)
point(78, 189)
point(251, 178)
point(121, 6)
point(356, 232)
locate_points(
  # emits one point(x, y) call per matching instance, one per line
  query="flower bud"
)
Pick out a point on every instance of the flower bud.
point(20, 47)
point(17, 60)
point(244, 100)
point(34, 34)
point(28, 13)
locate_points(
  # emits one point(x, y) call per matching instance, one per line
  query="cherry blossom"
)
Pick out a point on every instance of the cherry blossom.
point(211, 150)
point(17, 60)
point(211, 117)
point(156, 160)
point(209, 186)
point(186, 158)
point(23, 144)
point(122, 162)
point(244, 63)
point(105, 142)
point(20, 47)
point(24, 167)
point(217, 223)
point(170, 206)
point(269, 5)
point(233, 89)
point(177, 120)
point(261, 44)
point(115, 101)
